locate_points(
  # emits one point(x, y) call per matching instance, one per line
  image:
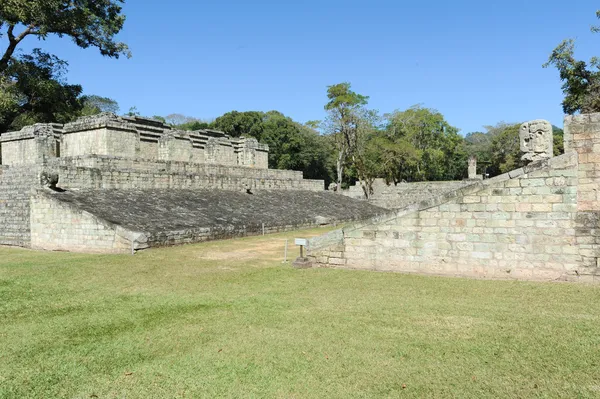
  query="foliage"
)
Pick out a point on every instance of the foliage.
point(237, 124)
point(346, 122)
point(195, 124)
point(93, 104)
point(133, 111)
point(90, 23)
point(429, 147)
point(581, 84)
point(291, 145)
point(506, 150)
point(35, 92)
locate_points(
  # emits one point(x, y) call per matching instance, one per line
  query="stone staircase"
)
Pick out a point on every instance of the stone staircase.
point(16, 185)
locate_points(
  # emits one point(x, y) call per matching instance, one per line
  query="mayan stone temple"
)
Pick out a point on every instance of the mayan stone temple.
point(115, 184)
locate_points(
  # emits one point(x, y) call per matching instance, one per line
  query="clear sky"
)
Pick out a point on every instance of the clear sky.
point(478, 62)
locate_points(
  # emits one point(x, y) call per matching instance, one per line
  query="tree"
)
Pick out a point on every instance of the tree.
point(343, 121)
point(505, 150)
point(133, 111)
point(291, 144)
point(93, 105)
point(236, 124)
point(35, 91)
point(581, 84)
point(434, 149)
point(90, 23)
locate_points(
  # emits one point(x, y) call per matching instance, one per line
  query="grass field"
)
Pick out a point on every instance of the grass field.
point(228, 319)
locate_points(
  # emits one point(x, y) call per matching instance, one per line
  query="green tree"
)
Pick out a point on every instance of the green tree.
point(89, 23)
point(581, 83)
point(343, 122)
point(506, 150)
point(437, 151)
point(35, 91)
point(236, 124)
point(93, 105)
point(291, 145)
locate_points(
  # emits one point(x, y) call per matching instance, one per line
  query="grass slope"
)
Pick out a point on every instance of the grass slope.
point(228, 319)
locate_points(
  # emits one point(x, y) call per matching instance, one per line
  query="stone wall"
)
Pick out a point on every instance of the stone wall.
point(396, 196)
point(101, 172)
point(58, 226)
point(16, 185)
point(538, 222)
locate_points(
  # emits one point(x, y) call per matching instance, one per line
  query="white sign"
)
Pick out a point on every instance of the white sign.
point(301, 241)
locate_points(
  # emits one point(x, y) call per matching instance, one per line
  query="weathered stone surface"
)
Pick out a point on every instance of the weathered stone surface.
point(397, 196)
point(536, 140)
point(130, 137)
point(538, 222)
point(182, 216)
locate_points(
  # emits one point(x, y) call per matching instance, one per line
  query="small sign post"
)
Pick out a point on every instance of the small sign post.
point(302, 242)
point(301, 262)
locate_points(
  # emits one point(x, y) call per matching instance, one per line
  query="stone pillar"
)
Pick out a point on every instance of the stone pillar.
point(249, 152)
point(472, 167)
point(582, 136)
point(166, 147)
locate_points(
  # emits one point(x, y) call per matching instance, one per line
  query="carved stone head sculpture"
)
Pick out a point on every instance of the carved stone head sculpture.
point(536, 140)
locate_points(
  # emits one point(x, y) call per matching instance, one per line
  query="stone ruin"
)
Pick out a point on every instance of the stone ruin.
point(129, 137)
point(538, 222)
point(117, 184)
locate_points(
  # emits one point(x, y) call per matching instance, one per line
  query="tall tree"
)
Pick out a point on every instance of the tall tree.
point(93, 104)
point(343, 121)
point(89, 23)
point(236, 124)
point(35, 91)
point(437, 151)
point(581, 83)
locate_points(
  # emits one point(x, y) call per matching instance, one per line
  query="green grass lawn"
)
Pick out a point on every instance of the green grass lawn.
point(228, 319)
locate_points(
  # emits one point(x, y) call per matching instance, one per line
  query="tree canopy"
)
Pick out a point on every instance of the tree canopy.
point(291, 144)
point(428, 146)
point(35, 91)
point(89, 23)
point(581, 81)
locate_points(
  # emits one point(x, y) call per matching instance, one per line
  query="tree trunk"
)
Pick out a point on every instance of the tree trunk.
point(12, 45)
point(340, 169)
point(6, 57)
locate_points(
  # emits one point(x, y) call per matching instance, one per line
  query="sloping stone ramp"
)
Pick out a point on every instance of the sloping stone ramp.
point(119, 220)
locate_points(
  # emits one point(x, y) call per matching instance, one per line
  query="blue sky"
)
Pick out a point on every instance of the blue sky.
point(478, 62)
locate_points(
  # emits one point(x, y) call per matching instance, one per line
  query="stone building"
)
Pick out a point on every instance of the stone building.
point(541, 221)
point(115, 184)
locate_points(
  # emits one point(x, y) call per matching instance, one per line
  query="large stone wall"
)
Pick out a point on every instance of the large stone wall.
point(538, 222)
point(396, 196)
